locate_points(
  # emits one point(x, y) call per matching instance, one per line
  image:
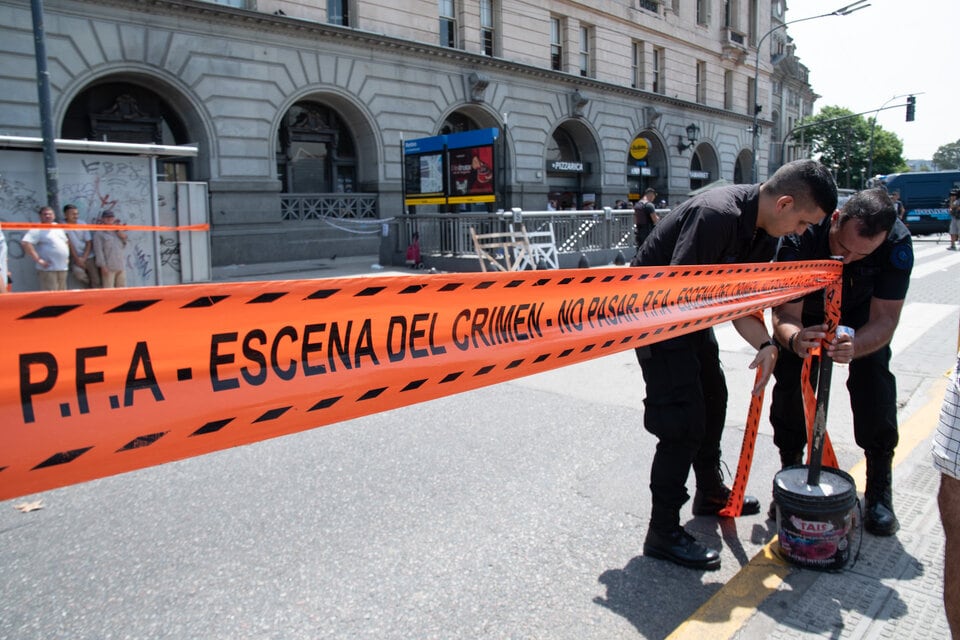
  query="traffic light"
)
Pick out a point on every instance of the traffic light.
point(911, 108)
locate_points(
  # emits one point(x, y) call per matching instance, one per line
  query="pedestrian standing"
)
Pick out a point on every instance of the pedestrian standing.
point(109, 245)
point(645, 215)
point(50, 250)
point(83, 262)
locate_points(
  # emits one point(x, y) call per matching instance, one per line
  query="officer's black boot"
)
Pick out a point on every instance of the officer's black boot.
point(667, 540)
point(787, 459)
point(712, 494)
point(878, 517)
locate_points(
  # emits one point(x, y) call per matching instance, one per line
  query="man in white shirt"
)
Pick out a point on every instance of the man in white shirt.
point(50, 250)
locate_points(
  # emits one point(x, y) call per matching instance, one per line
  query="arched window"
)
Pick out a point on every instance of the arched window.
point(126, 112)
point(458, 123)
point(315, 151)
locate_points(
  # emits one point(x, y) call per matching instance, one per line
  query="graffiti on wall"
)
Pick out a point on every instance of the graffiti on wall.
point(94, 183)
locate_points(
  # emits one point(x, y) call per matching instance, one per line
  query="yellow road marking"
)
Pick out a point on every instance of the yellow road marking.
point(736, 602)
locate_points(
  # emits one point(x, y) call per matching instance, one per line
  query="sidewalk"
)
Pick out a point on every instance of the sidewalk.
point(893, 590)
point(339, 267)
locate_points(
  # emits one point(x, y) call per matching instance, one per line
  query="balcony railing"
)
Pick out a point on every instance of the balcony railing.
point(316, 206)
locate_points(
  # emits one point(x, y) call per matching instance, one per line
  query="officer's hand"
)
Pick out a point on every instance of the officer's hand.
point(841, 349)
point(809, 339)
point(766, 358)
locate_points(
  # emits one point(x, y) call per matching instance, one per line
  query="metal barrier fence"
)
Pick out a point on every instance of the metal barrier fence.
point(448, 234)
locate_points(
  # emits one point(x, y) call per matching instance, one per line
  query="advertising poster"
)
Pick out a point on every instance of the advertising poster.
point(453, 169)
point(471, 174)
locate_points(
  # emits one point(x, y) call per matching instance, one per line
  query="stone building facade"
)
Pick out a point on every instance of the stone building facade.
point(300, 108)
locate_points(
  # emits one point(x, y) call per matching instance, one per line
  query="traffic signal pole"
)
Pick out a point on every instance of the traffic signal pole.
point(810, 125)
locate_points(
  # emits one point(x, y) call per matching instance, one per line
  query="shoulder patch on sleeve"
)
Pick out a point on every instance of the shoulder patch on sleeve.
point(902, 257)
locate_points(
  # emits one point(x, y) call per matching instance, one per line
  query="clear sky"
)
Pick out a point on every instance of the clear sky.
point(892, 47)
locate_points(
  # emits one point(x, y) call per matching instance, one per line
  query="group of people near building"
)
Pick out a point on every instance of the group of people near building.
point(94, 259)
point(791, 216)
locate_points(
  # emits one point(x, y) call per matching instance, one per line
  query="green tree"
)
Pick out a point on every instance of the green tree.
point(948, 156)
point(841, 139)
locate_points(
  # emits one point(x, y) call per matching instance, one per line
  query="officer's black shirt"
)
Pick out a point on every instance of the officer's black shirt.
point(716, 227)
point(884, 274)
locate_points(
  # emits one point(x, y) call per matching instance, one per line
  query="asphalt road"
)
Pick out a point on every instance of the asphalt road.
point(514, 511)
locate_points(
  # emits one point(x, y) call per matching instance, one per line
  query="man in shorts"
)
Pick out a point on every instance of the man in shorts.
point(946, 458)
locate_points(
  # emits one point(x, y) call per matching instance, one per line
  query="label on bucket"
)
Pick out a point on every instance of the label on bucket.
point(814, 523)
point(816, 543)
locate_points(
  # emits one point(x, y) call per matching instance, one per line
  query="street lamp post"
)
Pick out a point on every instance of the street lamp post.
point(842, 11)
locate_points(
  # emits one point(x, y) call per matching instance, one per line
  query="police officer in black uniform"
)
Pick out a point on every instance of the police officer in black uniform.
point(877, 257)
point(645, 214)
point(686, 394)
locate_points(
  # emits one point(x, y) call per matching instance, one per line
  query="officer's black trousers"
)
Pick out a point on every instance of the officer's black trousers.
point(685, 407)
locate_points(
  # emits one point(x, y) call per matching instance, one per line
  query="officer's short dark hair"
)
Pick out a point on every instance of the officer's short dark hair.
point(807, 181)
point(873, 208)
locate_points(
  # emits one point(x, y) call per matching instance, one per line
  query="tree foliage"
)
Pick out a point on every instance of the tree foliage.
point(948, 156)
point(842, 141)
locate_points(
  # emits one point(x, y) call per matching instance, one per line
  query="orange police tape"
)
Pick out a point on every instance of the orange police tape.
point(101, 227)
point(99, 382)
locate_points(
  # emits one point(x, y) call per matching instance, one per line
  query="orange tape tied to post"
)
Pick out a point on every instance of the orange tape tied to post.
point(99, 382)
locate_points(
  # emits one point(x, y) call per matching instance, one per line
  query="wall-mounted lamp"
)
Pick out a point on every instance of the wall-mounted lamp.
point(693, 133)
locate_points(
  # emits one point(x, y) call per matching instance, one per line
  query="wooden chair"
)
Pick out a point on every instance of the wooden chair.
point(542, 247)
point(502, 251)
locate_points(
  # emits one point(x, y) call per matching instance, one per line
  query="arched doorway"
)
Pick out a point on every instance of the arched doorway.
point(704, 166)
point(742, 167)
point(570, 155)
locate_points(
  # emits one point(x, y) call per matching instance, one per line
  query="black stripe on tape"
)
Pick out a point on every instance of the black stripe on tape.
point(142, 441)
point(212, 427)
point(326, 403)
point(368, 292)
point(265, 298)
point(372, 393)
point(49, 311)
point(273, 414)
point(322, 294)
point(132, 306)
point(414, 384)
point(62, 458)
point(413, 288)
point(204, 302)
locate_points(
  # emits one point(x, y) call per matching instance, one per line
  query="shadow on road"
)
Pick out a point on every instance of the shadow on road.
point(647, 591)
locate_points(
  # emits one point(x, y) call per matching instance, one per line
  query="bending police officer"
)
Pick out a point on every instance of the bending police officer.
point(877, 255)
